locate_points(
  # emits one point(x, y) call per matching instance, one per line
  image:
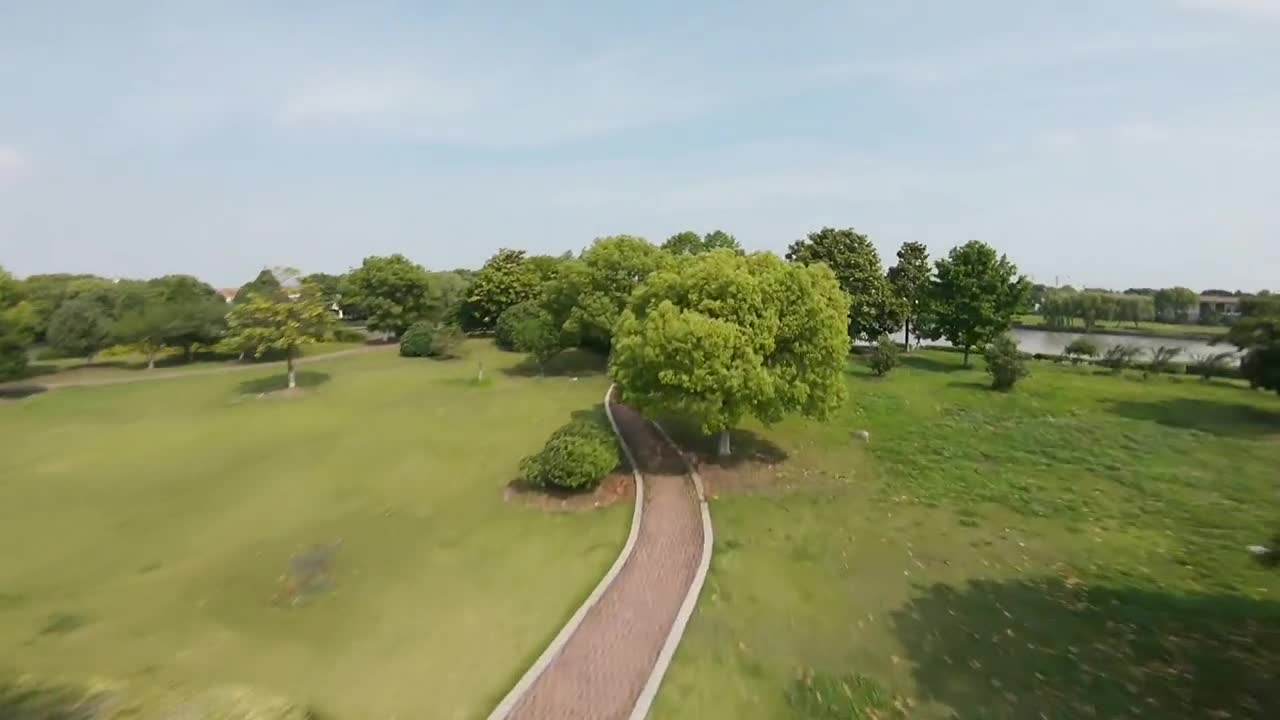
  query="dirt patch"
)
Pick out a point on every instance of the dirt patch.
point(617, 487)
point(741, 479)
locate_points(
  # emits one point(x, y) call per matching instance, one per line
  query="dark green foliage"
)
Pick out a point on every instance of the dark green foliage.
point(588, 295)
point(506, 279)
point(266, 283)
point(510, 322)
point(828, 696)
point(1081, 348)
point(1259, 337)
point(349, 335)
point(13, 351)
point(689, 243)
point(875, 310)
point(883, 356)
point(577, 456)
point(393, 292)
point(1119, 357)
point(1162, 358)
point(80, 328)
point(532, 330)
point(976, 295)
point(1209, 365)
point(1175, 304)
point(910, 280)
point(1004, 363)
point(428, 339)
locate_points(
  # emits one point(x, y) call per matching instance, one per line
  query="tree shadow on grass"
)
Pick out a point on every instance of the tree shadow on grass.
point(280, 381)
point(931, 364)
point(748, 446)
point(573, 362)
point(1218, 418)
point(970, 384)
point(1032, 649)
point(18, 392)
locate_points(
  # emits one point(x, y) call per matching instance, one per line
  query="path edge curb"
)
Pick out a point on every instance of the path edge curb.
point(544, 660)
point(643, 703)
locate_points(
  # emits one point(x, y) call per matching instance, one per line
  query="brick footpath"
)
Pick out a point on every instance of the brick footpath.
point(606, 662)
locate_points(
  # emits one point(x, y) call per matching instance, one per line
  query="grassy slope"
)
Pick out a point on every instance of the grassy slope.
point(147, 527)
point(1075, 545)
point(1155, 329)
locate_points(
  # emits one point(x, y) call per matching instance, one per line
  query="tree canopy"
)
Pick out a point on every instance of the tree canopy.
point(722, 336)
point(266, 283)
point(504, 280)
point(1258, 336)
point(393, 291)
point(264, 323)
point(1175, 304)
point(911, 281)
point(976, 295)
point(690, 243)
point(80, 327)
point(874, 309)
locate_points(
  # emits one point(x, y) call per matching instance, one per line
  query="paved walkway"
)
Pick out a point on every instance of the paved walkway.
point(602, 669)
point(37, 385)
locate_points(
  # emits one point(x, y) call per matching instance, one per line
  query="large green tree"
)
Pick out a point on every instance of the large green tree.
point(589, 294)
point(504, 280)
point(910, 279)
point(874, 309)
point(266, 283)
point(46, 293)
point(264, 323)
point(722, 336)
point(393, 291)
point(1258, 336)
point(976, 294)
point(80, 327)
point(13, 339)
point(690, 243)
point(1175, 304)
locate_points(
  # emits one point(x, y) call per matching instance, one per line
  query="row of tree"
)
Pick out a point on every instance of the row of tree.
point(1061, 308)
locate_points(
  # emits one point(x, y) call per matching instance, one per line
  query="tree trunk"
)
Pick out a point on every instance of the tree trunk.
point(151, 360)
point(966, 356)
point(906, 332)
point(725, 448)
point(190, 352)
point(480, 372)
point(293, 379)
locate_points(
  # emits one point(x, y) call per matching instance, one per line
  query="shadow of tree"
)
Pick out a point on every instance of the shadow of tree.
point(17, 392)
point(748, 446)
point(1218, 418)
point(931, 364)
point(1049, 649)
point(572, 362)
point(280, 381)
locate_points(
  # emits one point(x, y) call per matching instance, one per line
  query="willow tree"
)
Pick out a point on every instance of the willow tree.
point(722, 336)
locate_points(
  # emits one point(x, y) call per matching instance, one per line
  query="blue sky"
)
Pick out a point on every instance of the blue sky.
point(1116, 143)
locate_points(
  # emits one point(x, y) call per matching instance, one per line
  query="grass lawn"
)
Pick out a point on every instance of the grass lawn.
point(157, 533)
point(1156, 329)
point(1073, 549)
point(74, 370)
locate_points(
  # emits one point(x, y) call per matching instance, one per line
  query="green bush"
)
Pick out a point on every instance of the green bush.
point(1004, 363)
point(1119, 357)
point(1081, 348)
point(576, 457)
point(13, 352)
point(883, 356)
point(425, 339)
point(826, 696)
point(512, 321)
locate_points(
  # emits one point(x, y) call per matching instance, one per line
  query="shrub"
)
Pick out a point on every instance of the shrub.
point(1208, 365)
point(1004, 363)
point(1081, 348)
point(13, 352)
point(883, 356)
point(577, 457)
point(1162, 358)
point(826, 696)
point(507, 330)
point(425, 339)
point(1119, 357)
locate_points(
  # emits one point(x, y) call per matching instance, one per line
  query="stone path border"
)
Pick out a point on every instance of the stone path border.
point(580, 685)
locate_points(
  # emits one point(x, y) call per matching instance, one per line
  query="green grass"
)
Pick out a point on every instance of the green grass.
point(130, 365)
point(1155, 329)
point(1075, 548)
point(147, 529)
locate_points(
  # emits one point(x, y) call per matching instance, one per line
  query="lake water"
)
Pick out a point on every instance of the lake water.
point(1054, 343)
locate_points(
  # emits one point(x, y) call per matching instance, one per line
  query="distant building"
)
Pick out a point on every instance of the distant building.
point(1220, 306)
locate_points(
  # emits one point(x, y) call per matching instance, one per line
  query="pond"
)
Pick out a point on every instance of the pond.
point(1054, 343)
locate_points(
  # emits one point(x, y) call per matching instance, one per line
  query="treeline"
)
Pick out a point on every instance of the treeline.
point(536, 303)
point(1062, 307)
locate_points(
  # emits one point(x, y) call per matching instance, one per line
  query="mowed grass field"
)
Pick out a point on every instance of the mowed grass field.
point(1074, 549)
point(158, 533)
point(1155, 329)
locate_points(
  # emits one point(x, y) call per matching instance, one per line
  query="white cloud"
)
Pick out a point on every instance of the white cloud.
point(12, 163)
point(1250, 8)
